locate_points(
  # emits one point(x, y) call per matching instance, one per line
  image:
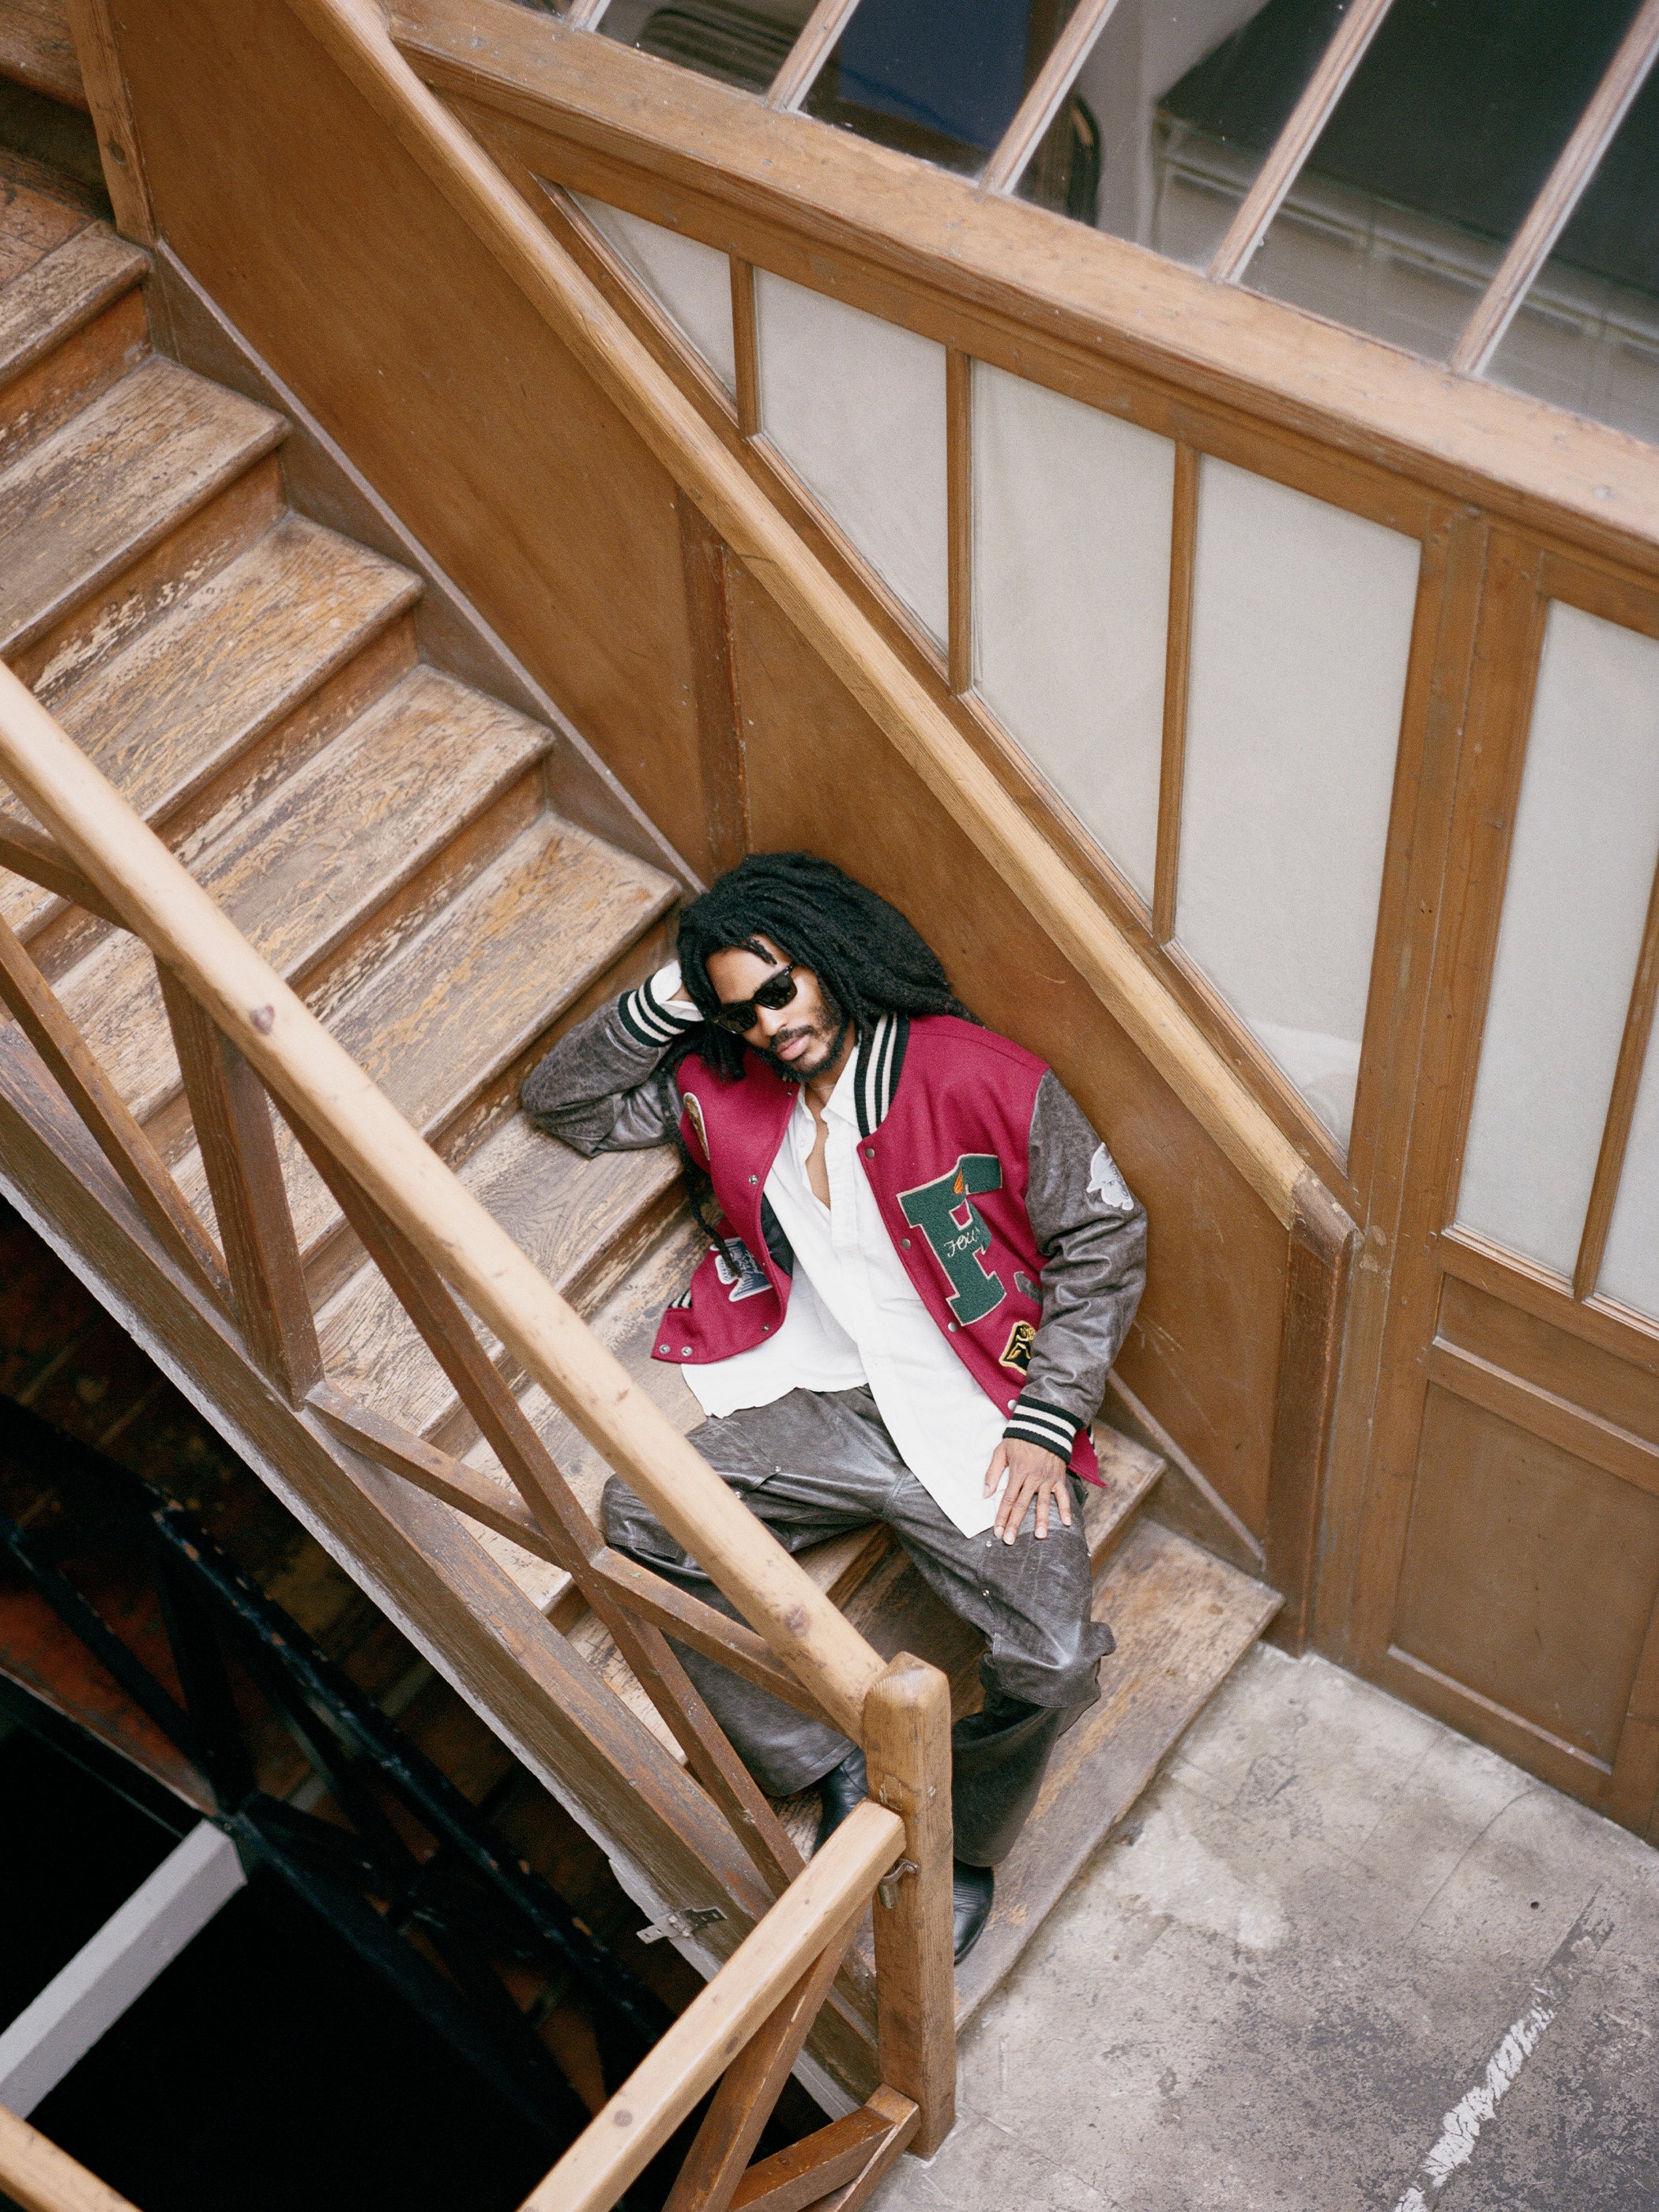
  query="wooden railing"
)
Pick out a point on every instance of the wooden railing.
point(245, 1041)
point(748, 2026)
point(37, 2176)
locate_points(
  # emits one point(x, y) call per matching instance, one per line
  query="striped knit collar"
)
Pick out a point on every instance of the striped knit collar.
point(879, 1064)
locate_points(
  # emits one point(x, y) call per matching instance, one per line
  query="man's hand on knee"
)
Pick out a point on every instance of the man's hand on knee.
point(1031, 1473)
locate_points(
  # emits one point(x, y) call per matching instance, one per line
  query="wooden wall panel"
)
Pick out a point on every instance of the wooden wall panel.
point(1204, 1352)
point(339, 264)
point(1530, 1575)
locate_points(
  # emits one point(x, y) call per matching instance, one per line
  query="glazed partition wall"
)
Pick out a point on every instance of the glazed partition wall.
point(1203, 661)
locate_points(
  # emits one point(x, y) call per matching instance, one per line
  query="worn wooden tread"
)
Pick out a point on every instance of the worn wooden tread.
point(463, 999)
point(1182, 1619)
point(564, 1212)
point(122, 475)
point(319, 855)
point(37, 49)
point(170, 713)
point(62, 292)
point(34, 221)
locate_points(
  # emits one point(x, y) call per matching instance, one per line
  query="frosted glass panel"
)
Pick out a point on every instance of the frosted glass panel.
point(1072, 513)
point(1581, 867)
point(856, 406)
point(690, 282)
point(1301, 627)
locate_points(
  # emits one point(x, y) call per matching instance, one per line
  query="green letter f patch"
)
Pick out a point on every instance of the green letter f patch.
point(944, 1211)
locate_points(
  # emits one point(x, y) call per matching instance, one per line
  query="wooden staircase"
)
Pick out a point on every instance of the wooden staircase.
point(382, 831)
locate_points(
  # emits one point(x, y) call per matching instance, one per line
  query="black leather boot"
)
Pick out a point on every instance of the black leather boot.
point(974, 1889)
point(840, 1792)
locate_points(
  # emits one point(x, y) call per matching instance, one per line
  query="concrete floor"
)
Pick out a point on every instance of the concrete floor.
point(1340, 1960)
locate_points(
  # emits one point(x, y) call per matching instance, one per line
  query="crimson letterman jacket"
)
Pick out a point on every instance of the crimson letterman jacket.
point(1006, 1209)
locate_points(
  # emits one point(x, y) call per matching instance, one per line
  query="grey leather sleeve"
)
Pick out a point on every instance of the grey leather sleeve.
point(602, 1089)
point(1091, 1231)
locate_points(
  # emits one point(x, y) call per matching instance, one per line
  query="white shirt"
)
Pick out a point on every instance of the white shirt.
point(855, 1317)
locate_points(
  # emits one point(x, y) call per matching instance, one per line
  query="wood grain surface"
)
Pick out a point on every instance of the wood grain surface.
point(46, 296)
point(114, 481)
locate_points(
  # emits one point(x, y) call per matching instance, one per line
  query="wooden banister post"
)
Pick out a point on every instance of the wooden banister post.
point(907, 1748)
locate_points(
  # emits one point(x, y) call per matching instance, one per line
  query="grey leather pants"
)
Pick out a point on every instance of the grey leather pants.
point(815, 1464)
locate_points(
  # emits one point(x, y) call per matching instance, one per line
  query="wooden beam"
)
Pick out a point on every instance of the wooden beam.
point(39, 2177)
point(809, 52)
point(873, 672)
point(1177, 667)
point(34, 1007)
point(907, 1744)
point(111, 103)
point(28, 852)
point(1340, 58)
point(745, 348)
point(795, 2180)
point(1550, 212)
point(721, 2151)
point(1041, 103)
point(645, 2111)
point(232, 1116)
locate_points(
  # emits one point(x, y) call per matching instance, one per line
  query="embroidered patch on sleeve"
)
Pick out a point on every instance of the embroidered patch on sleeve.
point(1107, 1185)
point(738, 1269)
point(1017, 1352)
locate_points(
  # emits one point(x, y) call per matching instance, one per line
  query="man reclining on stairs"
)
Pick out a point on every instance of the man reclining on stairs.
point(923, 1262)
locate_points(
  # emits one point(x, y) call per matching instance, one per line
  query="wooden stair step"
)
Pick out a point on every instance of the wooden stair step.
point(33, 223)
point(465, 1000)
point(60, 290)
point(169, 714)
point(319, 856)
point(568, 1214)
point(1182, 1619)
point(115, 481)
point(37, 48)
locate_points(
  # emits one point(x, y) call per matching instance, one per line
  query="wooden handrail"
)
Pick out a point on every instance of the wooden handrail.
point(354, 32)
point(328, 1092)
point(625, 2135)
point(36, 2174)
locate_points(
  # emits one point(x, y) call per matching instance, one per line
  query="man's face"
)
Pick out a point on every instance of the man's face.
point(802, 1036)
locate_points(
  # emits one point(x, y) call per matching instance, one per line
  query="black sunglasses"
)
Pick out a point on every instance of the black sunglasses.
point(776, 991)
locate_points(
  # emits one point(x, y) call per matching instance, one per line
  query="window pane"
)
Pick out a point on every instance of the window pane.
point(1587, 335)
point(1072, 519)
point(741, 42)
point(1190, 94)
point(690, 282)
point(1432, 159)
point(1302, 628)
point(1581, 866)
point(856, 406)
point(941, 78)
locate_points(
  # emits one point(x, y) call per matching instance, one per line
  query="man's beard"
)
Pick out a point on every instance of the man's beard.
point(794, 1071)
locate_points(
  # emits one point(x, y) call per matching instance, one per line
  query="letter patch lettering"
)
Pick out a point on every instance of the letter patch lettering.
point(944, 1211)
point(1017, 1352)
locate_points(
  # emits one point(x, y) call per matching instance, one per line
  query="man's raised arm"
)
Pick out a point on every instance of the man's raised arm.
point(603, 1087)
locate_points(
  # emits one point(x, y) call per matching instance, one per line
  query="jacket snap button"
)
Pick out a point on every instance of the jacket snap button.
point(869, 1151)
point(685, 1352)
point(766, 1330)
point(1012, 1402)
point(662, 1348)
point(754, 1178)
point(951, 1326)
point(904, 1244)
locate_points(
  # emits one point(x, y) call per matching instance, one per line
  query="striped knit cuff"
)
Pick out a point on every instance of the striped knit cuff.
point(646, 1015)
point(1033, 1423)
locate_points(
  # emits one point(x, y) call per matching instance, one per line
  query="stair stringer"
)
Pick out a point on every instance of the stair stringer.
point(668, 1844)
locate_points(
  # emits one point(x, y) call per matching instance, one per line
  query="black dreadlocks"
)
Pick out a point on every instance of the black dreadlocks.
point(867, 958)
